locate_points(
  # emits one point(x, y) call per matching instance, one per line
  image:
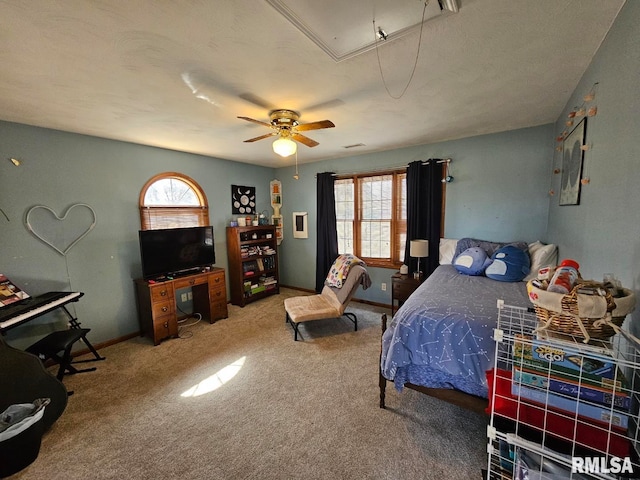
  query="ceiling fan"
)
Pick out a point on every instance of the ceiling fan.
point(286, 126)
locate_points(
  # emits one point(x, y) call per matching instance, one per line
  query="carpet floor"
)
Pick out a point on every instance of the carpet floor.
point(240, 399)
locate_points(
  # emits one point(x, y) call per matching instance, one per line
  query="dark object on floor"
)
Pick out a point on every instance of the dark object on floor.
point(23, 378)
point(21, 430)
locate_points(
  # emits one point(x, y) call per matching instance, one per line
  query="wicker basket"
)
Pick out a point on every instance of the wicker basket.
point(561, 313)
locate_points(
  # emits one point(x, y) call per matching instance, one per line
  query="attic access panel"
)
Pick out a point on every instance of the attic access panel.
point(344, 29)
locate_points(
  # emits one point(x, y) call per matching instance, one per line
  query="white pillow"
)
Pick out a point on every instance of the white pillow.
point(447, 250)
point(541, 256)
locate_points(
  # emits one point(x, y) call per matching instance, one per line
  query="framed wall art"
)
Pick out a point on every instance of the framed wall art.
point(243, 199)
point(572, 158)
point(300, 225)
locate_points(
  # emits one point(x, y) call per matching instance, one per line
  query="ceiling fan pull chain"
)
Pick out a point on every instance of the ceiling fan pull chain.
point(382, 37)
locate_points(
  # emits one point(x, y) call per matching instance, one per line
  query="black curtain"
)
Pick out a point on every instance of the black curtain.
point(327, 236)
point(424, 212)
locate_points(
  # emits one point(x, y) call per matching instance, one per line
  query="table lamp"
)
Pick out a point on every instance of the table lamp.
point(419, 249)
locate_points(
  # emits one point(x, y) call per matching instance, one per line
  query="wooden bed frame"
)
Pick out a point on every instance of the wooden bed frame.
point(464, 400)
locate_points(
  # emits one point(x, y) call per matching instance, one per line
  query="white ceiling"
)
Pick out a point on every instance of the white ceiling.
point(176, 74)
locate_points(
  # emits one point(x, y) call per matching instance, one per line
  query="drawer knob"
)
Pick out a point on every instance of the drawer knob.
point(164, 309)
point(217, 280)
point(218, 294)
point(192, 281)
point(166, 324)
point(163, 293)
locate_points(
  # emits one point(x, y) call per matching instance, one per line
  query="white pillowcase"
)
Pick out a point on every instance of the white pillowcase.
point(447, 250)
point(541, 255)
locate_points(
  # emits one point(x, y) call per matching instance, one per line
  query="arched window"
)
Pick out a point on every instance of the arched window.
point(172, 200)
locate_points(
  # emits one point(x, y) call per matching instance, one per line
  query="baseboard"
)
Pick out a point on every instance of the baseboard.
point(108, 343)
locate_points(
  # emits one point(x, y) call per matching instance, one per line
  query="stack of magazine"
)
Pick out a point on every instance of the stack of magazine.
point(10, 292)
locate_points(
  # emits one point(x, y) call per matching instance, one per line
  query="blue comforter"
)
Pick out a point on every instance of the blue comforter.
point(442, 336)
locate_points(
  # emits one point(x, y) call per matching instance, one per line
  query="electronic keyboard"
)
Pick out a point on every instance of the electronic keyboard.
point(24, 310)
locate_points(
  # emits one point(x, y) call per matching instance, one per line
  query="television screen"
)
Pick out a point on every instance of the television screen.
point(173, 251)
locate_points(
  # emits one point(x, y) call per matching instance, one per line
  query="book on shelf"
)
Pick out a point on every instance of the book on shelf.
point(269, 262)
point(621, 400)
point(267, 250)
point(571, 406)
point(597, 370)
point(250, 268)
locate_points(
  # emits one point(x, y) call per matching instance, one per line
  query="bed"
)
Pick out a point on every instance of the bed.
point(440, 340)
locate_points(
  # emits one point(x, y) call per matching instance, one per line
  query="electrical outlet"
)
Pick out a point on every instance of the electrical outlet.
point(184, 297)
point(190, 296)
point(384, 287)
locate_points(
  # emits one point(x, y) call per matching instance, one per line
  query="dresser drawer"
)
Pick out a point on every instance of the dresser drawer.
point(402, 290)
point(161, 293)
point(217, 279)
point(164, 326)
point(217, 294)
point(160, 309)
point(190, 281)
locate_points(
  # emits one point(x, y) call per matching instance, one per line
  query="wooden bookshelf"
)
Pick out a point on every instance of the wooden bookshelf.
point(253, 263)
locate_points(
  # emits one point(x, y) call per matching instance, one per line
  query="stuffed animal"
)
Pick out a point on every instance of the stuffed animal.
point(472, 261)
point(509, 264)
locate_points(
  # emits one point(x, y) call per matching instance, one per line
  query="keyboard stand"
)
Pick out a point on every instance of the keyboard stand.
point(74, 323)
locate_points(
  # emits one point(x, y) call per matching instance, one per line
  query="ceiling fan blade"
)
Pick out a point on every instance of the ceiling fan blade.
point(256, 100)
point(315, 125)
point(336, 102)
point(265, 124)
point(261, 137)
point(304, 140)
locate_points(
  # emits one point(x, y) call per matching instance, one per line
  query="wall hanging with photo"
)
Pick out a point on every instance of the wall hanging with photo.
point(572, 156)
point(243, 199)
point(300, 225)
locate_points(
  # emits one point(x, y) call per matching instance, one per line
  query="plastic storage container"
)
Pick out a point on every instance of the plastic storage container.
point(565, 277)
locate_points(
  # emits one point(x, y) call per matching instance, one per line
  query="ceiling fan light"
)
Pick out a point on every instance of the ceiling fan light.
point(284, 147)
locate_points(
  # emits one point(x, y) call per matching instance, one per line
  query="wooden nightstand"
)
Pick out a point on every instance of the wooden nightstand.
point(401, 287)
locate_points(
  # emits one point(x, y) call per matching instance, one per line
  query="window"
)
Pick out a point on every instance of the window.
point(172, 200)
point(371, 214)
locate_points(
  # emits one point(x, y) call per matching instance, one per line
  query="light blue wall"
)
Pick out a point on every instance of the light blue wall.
point(499, 193)
point(60, 169)
point(603, 232)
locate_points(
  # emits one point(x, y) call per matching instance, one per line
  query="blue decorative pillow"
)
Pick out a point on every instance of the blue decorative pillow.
point(487, 246)
point(510, 264)
point(472, 261)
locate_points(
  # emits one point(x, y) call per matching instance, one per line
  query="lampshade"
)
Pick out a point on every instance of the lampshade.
point(284, 147)
point(419, 248)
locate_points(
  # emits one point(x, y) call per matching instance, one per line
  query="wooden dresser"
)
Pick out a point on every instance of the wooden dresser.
point(156, 301)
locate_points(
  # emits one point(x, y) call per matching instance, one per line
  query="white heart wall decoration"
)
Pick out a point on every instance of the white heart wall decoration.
point(63, 245)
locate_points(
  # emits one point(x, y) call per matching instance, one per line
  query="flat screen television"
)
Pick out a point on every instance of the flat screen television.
point(176, 251)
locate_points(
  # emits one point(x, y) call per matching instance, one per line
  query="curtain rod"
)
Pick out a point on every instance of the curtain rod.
point(384, 169)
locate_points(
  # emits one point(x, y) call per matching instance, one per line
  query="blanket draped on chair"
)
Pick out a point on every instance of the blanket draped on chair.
point(340, 270)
